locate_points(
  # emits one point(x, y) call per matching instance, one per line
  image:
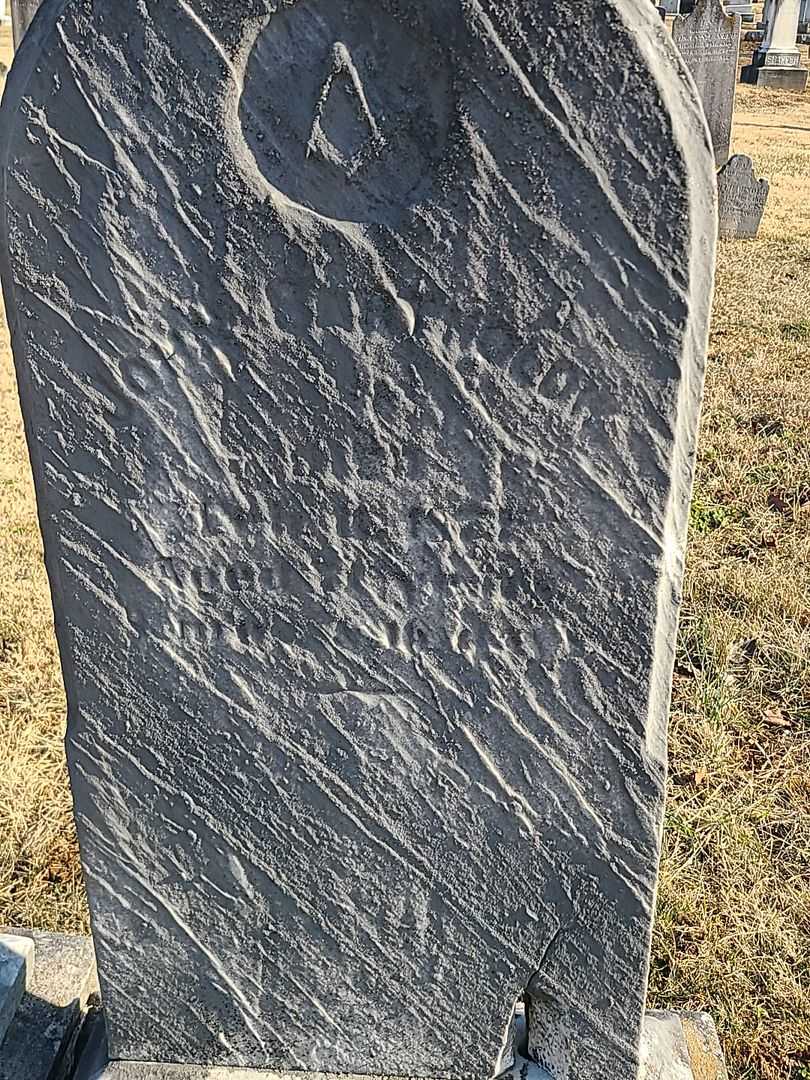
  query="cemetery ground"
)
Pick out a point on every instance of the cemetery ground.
point(733, 926)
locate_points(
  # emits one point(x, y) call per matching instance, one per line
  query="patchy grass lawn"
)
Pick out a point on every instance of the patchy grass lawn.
point(733, 929)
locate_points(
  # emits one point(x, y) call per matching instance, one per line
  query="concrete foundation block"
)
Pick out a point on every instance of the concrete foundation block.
point(789, 78)
point(41, 1039)
point(16, 967)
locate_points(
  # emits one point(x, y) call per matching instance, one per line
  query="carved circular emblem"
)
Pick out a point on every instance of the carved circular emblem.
point(346, 108)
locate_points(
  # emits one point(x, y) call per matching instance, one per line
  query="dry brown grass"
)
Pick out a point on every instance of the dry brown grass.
point(733, 929)
point(40, 878)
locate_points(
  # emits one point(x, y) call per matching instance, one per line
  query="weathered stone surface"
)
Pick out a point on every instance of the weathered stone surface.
point(709, 42)
point(16, 969)
point(39, 1043)
point(361, 356)
point(664, 1051)
point(741, 198)
point(22, 13)
point(705, 1052)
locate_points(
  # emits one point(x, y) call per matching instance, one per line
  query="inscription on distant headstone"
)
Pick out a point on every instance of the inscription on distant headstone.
point(781, 59)
point(361, 361)
point(741, 198)
point(709, 42)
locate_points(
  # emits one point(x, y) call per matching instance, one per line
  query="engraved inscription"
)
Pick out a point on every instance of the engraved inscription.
point(781, 59)
point(705, 47)
point(742, 198)
point(343, 87)
point(709, 42)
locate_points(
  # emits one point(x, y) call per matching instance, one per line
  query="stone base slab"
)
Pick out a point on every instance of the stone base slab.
point(791, 78)
point(41, 1038)
point(16, 973)
point(675, 1046)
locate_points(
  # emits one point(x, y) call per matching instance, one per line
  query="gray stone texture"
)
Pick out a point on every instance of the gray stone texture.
point(705, 1052)
point(39, 1044)
point(664, 1050)
point(16, 969)
point(741, 198)
point(709, 41)
point(22, 12)
point(360, 347)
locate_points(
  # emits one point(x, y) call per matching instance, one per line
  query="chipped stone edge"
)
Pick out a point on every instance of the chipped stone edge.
point(705, 1052)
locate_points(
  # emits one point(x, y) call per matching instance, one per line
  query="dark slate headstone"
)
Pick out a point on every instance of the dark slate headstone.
point(709, 42)
point(741, 198)
point(361, 362)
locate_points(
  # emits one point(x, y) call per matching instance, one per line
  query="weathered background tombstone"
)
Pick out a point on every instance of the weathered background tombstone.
point(362, 420)
point(741, 198)
point(743, 8)
point(777, 61)
point(709, 42)
point(22, 13)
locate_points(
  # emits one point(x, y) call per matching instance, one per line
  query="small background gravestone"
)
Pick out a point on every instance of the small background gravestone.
point(709, 42)
point(362, 413)
point(22, 12)
point(743, 8)
point(741, 198)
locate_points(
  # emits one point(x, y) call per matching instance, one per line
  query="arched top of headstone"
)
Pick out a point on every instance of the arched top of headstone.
point(360, 349)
